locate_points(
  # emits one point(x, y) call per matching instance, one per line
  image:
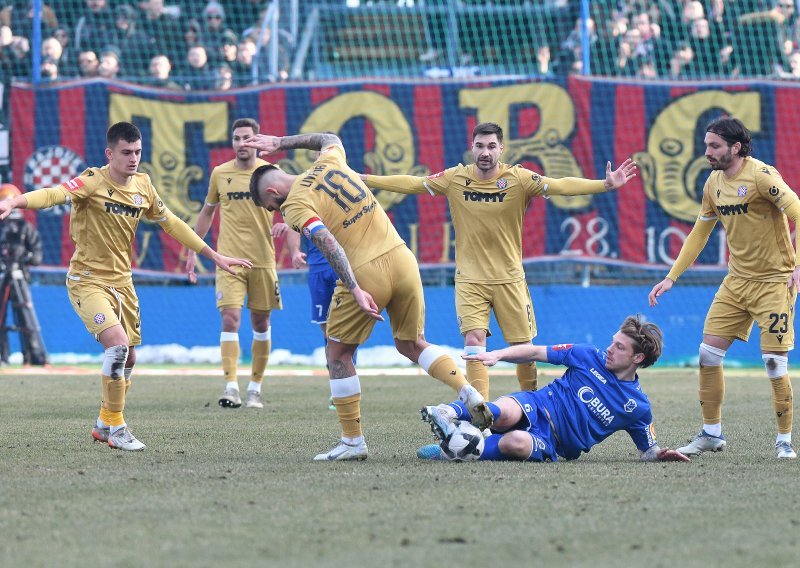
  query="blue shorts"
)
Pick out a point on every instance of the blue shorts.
point(534, 421)
point(321, 284)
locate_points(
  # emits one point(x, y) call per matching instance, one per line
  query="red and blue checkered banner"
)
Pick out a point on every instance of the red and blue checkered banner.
point(570, 128)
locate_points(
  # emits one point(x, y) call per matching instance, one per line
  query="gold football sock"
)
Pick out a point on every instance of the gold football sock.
point(348, 409)
point(712, 391)
point(527, 376)
point(230, 359)
point(113, 401)
point(478, 377)
point(260, 359)
point(782, 402)
point(444, 369)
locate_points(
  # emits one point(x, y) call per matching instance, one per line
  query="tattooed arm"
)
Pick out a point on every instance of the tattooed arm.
point(271, 144)
point(333, 251)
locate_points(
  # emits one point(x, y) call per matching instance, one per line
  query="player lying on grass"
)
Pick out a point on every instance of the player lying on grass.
point(598, 395)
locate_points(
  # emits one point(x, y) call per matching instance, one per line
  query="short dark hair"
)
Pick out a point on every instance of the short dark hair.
point(245, 123)
point(122, 131)
point(732, 130)
point(646, 336)
point(256, 176)
point(488, 128)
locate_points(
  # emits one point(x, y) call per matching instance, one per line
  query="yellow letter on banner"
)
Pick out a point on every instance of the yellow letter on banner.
point(671, 165)
point(170, 174)
point(546, 146)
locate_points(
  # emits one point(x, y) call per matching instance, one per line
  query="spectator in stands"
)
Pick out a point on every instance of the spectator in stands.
point(680, 61)
point(130, 40)
point(229, 49)
point(794, 67)
point(88, 64)
point(17, 57)
point(95, 28)
point(570, 51)
point(605, 54)
point(758, 39)
point(48, 69)
point(160, 69)
point(198, 75)
point(262, 56)
point(214, 30)
point(68, 62)
point(223, 77)
point(242, 68)
point(708, 53)
point(192, 35)
point(52, 50)
point(18, 15)
point(109, 62)
point(161, 29)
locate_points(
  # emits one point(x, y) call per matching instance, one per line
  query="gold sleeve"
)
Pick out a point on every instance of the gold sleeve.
point(793, 213)
point(181, 232)
point(574, 186)
point(44, 198)
point(692, 246)
point(397, 184)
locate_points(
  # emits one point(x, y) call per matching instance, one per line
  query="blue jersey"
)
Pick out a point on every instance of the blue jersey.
point(314, 258)
point(589, 403)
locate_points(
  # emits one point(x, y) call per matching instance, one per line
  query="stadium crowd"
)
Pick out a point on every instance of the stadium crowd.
point(199, 44)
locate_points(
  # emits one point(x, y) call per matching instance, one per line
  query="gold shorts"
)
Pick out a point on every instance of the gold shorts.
point(393, 281)
point(739, 302)
point(260, 285)
point(100, 307)
point(511, 303)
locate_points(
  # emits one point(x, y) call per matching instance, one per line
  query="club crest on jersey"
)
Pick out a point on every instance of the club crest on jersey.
point(742, 191)
point(630, 406)
point(99, 318)
point(219, 295)
point(502, 183)
point(137, 200)
point(51, 165)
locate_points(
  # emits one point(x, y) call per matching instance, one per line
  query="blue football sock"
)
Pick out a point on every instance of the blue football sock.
point(494, 409)
point(491, 449)
point(461, 410)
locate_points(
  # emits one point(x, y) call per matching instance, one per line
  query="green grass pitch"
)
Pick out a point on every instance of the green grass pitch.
point(220, 487)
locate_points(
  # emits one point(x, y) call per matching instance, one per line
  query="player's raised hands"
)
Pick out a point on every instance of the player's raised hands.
point(366, 303)
point(264, 143)
point(667, 455)
point(620, 176)
point(279, 230)
point(659, 289)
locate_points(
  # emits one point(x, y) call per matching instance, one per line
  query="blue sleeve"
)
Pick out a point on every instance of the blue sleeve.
point(569, 355)
point(642, 432)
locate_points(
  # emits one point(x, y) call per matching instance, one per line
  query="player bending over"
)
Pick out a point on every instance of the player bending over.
point(598, 395)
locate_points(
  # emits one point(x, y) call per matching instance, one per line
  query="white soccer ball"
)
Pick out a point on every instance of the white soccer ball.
point(464, 444)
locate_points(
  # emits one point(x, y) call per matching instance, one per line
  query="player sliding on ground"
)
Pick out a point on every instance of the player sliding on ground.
point(331, 205)
point(598, 395)
point(107, 205)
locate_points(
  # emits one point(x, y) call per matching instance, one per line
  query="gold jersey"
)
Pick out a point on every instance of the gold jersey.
point(333, 194)
point(750, 206)
point(103, 222)
point(245, 230)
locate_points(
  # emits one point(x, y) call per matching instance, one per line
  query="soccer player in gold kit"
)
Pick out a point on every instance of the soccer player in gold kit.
point(245, 231)
point(754, 204)
point(487, 203)
point(333, 207)
point(107, 205)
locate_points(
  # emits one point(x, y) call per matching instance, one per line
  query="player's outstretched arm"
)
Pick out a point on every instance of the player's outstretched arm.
point(267, 144)
point(226, 263)
point(397, 184)
point(622, 175)
point(333, 251)
point(655, 453)
point(524, 353)
point(659, 289)
point(37, 199)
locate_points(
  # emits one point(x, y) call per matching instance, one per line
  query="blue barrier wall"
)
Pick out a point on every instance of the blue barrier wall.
point(187, 315)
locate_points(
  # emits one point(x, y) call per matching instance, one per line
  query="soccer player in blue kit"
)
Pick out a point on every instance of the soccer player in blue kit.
point(598, 395)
